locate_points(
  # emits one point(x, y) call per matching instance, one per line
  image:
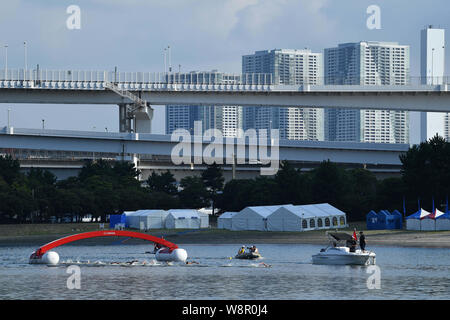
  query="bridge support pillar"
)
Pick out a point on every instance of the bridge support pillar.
point(124, 119)
point(142, 118)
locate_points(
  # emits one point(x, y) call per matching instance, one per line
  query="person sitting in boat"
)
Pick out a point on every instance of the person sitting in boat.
point(253, 249)
point(242, 250)
point(352, 245)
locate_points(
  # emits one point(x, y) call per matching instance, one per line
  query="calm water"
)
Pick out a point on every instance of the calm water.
point(406, 273)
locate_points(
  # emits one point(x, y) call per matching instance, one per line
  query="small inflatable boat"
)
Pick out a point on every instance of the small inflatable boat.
point(248, 255)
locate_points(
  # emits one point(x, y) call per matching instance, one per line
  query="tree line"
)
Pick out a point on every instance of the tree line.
point(104, 187)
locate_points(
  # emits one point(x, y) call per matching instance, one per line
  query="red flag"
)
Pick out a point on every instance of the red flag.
point(354, 235)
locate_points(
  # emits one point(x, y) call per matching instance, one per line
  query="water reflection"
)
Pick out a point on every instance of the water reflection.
point(406, 273)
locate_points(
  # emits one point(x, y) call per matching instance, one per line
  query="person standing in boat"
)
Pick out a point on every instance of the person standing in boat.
point(362, 241)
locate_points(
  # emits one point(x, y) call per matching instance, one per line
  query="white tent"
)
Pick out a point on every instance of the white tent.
point(153, 219)
point(204, 219)
point(338, 217)
point(290, 218)
point(133, 219)
point(306, 217)
point(127, 213)
point(252, 218)
point(183, 219)
point(224, 221)
point(319, 219)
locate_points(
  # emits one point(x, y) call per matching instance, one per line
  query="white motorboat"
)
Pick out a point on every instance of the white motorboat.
point(347, 254)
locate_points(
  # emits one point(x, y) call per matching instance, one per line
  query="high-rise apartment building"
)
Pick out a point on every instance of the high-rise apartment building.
point(288, 67)
point(367, 63)
point(432, 68)
point(227, 119)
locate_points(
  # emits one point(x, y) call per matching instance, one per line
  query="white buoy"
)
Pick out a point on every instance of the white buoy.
point(178, 255)
point(50, 257)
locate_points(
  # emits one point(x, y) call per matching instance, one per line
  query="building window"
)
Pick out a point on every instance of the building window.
point(327, 222)
point(312, 223)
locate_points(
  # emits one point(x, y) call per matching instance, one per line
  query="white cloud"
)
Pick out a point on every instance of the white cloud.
point(218, 18)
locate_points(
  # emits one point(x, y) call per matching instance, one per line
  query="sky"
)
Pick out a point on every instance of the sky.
point(203, 35)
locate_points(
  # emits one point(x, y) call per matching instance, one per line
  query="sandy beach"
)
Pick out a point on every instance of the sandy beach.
point(39, 234)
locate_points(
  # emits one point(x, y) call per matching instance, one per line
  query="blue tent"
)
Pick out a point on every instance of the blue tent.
point(398, 219)
point(383, 220)
point(415, 215)
point(372, 220)
point(115, 219)
point(387, 220)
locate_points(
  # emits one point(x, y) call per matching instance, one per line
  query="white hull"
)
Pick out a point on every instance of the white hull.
point(363, 260)
point(341, 256)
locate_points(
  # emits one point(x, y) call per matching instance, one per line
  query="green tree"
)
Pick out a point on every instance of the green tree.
point(360, 197)
point(329, 184)
point(426, 169)
point(194, 193)
point(213, 180)
point(390, 195)
point(164, 182)
point(236, 195)
point(9, 169)
point(292, 186)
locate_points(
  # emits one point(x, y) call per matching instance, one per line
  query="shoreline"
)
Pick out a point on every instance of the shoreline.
point(211, 236)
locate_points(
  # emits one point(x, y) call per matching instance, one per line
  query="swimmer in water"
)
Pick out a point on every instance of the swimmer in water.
point(192, 262)
point(265, 265)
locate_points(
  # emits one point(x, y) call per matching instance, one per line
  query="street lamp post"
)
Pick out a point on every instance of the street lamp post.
point(25, 60)
point(170, 62)
point(9, 110)
point(165, 59)
point(6, 62)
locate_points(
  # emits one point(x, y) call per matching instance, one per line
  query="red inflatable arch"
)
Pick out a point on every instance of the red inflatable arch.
point(111, 233)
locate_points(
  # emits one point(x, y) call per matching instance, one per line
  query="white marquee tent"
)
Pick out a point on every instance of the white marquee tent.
point(289, 218)
point(306, 217)
point(338, 217)
point(133, 219)
point(252, 218)
point(153, 219)
point(183, 219)
point(224, 221)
